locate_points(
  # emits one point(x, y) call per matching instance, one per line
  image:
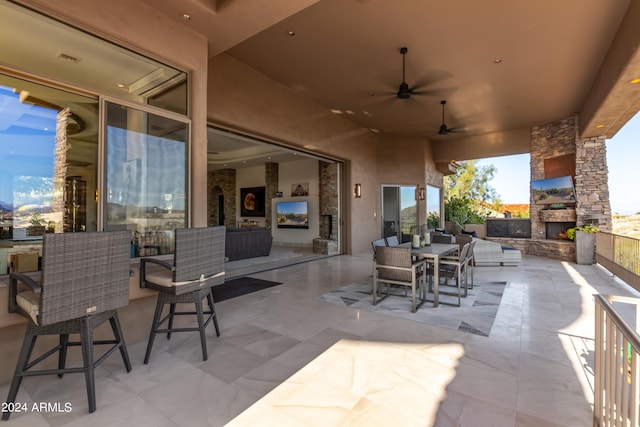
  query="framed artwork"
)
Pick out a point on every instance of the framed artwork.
point(300, 189)
point(252, 201)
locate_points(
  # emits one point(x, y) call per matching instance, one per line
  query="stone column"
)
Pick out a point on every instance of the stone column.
point(592, 183)
point(271, 186)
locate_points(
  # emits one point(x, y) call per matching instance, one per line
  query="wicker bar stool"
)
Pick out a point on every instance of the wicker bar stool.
point(198, 265)
point(85, 279)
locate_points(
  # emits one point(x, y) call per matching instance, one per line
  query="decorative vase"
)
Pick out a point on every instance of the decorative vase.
point(585, 247)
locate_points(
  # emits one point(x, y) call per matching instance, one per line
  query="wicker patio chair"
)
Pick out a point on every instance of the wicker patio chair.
point(198, 264)
point(84, 280)
point(455, 268)
point(394, 266)
point(441, 238)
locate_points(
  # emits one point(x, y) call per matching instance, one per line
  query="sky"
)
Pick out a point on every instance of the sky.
point(512, 178)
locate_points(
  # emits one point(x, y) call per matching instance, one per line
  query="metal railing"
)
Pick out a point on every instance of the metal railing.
point(620, 255)
point(617, 366)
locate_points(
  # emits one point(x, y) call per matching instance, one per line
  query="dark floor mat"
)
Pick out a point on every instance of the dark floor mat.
point(240, 286)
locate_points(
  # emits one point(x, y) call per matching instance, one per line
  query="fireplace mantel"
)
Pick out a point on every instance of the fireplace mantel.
point(558, 215)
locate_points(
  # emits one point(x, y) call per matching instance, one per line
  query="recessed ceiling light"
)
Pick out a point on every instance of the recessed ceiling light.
point(349, 112)
point(186, 16)
point(366, 113)
point(336, 111)
point(497, 61)
point(600, 126)
point(120, 85)
point(635, 81)
point(374, 130)
point(291, 33)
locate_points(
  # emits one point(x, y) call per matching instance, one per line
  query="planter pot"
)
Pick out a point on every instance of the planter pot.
point(585, 247)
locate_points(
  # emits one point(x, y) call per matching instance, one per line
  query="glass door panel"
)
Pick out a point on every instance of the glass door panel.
point(433, 207)
point(146, 177)
point(399, 209)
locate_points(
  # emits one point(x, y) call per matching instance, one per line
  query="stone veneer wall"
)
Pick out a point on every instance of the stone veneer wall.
point(221, 180)
point(271, 173)
point(592, 188)
point(328, 177)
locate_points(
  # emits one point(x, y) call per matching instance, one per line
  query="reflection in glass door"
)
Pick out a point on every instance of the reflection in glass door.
point(433, 207)
point(146, 177)
point(48, 138)
point(399, 211)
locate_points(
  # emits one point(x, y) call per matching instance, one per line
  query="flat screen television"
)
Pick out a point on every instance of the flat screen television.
point(292, 214)
point(553, 191)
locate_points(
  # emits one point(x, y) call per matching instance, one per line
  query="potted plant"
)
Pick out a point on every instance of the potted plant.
point(585, 238)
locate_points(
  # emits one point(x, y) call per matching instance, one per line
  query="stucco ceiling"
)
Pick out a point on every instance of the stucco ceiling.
point(501, 65)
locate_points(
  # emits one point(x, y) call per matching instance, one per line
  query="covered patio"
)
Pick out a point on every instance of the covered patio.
point(276, 359)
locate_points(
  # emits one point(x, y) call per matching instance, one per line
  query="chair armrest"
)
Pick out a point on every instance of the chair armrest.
point(454, 262)
point(143, 268)
point(13, 288)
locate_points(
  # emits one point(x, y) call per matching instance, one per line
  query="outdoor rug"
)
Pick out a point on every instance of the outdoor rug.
point(240, 286)
point(475, 315)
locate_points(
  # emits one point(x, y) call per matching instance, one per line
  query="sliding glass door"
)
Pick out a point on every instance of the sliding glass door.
point(146, 176)
point(399, 211)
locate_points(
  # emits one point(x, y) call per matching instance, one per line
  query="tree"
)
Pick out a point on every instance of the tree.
point(463, 211)
point(472, 182)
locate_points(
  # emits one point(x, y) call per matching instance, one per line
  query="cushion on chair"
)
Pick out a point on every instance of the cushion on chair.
point(29, 301)
point(471, 233)
point(160, 277)
point(164, 277)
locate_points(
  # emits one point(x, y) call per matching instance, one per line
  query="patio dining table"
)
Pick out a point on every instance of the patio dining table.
point(433, 253)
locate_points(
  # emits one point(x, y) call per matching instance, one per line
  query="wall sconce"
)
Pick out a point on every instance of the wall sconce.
point(421, 194)
point(357, 191)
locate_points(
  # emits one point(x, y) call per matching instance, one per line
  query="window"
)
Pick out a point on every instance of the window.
point(48, 154)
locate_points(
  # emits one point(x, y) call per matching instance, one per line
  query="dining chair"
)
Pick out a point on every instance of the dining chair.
point(471, 264)
point(394, 266)
point(453, 268)
point(83, 282)
point(198, 264)
point(441, 238)
point(376, 243)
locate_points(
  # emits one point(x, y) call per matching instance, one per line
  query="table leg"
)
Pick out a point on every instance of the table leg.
point(436, 279)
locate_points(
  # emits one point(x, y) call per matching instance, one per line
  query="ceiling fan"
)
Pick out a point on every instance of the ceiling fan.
point(404, 91)
point(444, 130)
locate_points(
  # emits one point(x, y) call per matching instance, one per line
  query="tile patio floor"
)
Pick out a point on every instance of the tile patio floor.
point(293, 360)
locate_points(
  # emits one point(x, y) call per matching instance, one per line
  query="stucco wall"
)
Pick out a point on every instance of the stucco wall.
point(245, 100)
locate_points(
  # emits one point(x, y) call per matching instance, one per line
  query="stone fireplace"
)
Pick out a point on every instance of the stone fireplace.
point(555, 230)
point(327, 243)
point(328, 223)
point(556, 150)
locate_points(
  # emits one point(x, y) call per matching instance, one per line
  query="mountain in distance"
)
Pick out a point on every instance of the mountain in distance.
point(5, 206)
